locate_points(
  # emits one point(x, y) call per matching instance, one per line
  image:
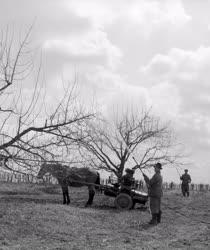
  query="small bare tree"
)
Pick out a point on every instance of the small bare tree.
point(112, 145)
point(30, 128)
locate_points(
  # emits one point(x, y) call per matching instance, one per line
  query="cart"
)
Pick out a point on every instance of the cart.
point(125, 200)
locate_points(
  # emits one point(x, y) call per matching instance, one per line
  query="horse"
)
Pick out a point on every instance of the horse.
point(75, 177)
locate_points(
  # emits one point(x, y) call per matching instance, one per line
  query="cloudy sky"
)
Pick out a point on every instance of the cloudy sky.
point(140, 52)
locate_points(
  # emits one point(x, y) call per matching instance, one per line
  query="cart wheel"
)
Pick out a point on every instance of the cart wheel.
point(123, 201)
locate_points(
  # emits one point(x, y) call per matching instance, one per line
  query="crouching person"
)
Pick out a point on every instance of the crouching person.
point(155, 193)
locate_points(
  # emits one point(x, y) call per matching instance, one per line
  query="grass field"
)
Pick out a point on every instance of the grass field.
point(32, 217)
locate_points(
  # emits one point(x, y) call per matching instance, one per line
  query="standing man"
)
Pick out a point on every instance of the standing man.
point(155, 193)
point(186, 179)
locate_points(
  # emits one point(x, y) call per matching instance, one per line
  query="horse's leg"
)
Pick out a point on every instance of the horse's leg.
point(67, 195)
point(64, 194)
point(66, 198)
point(91, 195)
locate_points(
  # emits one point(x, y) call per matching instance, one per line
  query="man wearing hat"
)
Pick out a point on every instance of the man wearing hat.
point(186, 179)
point(127, 181)
point(155, 193)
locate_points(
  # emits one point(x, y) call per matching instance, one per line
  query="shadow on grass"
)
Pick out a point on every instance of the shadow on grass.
point(18, 193)
point(104, 207)
point(142, 208)
point(21, 200)
point(110, 207)
point(50, 189)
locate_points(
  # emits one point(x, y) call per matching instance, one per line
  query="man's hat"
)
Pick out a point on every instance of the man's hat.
point(129, 171)
point(158, 165)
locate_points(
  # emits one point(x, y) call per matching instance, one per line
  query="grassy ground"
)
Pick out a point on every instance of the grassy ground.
point(32, 217)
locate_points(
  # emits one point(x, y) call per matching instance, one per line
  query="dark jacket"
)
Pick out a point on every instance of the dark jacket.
point(154, 185)
point(186, 179)
point(127, 182)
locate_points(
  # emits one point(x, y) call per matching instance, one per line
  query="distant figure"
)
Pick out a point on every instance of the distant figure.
point(155, 193)
point(127, 181)
point(171, 185)
point(201, 187)
point(186, 179)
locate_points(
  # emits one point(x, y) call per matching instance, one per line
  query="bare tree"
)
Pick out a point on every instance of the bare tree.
point(112, 145)
point(30, 128)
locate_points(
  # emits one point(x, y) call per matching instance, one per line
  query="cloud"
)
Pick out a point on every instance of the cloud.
point(165, 100)
point(144, 13)
point(93, 47)
point(155, 15)
point(188, 71)
point(128, 98)
point(95, 84)
point(107, 89)
point(50, 17)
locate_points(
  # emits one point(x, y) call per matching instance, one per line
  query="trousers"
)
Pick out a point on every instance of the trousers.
point(155, 205)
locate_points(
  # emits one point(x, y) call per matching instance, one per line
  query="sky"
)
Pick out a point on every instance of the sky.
point(152, 53)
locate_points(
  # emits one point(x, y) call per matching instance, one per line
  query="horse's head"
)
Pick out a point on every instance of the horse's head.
point(43, 170)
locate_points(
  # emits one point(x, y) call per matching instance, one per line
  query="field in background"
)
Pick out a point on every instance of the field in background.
point(32, 217)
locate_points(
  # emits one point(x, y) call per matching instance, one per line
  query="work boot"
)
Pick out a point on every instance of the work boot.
point(159, 217)
point(153, 220)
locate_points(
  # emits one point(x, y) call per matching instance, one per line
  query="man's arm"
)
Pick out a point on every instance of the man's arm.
point(146, 178)
point(154, 179)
